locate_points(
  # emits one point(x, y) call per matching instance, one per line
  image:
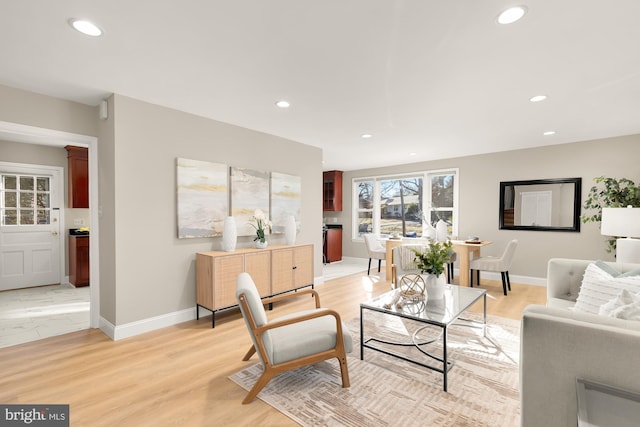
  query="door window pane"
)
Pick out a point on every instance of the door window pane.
point(11, 199)
point(26, 183)
point(43, 200)
point(10, 182)
point(26, 217)
point(26, 200)
point(42, 183)
point(44, 216)
point(10, 217)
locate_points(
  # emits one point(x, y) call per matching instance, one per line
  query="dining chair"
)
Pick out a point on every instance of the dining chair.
point(404, 262)
point(292, 341)
point(496, 264)
point(374, 249)
point(450, 275)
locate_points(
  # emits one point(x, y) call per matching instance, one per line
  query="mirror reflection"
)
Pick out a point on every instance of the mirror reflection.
point(543, 204)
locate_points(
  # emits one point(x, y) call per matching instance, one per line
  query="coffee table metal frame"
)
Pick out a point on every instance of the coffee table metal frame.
point(377, 304)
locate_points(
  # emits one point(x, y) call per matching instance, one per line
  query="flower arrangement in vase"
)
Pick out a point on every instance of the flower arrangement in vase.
point(432, 259)
point(261, 225)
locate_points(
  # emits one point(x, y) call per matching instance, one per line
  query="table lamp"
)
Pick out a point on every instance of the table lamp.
point(625, 224)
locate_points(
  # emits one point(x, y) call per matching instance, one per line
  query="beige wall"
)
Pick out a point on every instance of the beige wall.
point(28, 108)
point(480, 178)
point(154, 271)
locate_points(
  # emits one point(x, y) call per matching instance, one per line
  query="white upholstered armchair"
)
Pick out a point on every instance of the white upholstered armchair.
point(291, 341)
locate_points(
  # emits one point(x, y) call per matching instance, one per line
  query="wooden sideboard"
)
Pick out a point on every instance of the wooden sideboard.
point(275, 270)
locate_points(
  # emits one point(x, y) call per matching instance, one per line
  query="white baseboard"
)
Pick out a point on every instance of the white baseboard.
point(525, 280)
point(146, 325)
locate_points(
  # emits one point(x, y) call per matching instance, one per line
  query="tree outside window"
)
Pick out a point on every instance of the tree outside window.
point(390, 206)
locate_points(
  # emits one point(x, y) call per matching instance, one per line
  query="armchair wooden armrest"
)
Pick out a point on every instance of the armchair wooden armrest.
point(290, 356)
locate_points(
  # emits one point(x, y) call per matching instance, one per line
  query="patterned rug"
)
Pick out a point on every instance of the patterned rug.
point(387, 391)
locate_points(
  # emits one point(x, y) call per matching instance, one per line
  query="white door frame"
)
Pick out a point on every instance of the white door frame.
point(41, 136)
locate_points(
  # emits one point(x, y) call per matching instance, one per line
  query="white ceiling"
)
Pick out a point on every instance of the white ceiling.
point(437, 78)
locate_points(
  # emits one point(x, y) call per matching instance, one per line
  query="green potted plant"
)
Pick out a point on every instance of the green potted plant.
point(431, 261)
point(432, 258)
point(610, 193)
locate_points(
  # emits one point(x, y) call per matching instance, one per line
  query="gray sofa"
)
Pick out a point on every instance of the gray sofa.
point(558, 345)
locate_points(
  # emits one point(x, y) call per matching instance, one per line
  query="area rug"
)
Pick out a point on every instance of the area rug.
point(386, 391)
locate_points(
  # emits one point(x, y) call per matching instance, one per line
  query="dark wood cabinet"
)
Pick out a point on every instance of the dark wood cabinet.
point(332, 191)
point(333, 245)
point(79, 260)
point(78, 176)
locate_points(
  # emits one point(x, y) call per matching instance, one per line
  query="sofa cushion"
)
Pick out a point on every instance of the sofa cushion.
point(599, 287)
point(624, 306)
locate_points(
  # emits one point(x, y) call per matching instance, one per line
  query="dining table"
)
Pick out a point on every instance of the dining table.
point(467, 250)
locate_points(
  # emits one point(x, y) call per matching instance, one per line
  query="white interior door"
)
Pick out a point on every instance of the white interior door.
point(30, 240)
point(536, 208)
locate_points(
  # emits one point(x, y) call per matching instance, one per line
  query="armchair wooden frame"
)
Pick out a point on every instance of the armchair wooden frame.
point(271, 370)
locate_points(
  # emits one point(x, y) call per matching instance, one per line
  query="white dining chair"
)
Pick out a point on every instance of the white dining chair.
point(375, 250)
point(497, 264)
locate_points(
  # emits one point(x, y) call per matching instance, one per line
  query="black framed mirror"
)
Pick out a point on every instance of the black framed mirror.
point(541, 204)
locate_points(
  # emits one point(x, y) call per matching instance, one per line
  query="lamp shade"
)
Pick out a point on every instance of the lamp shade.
point(620, 222)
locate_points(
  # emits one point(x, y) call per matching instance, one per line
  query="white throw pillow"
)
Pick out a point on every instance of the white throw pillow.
point(625, 306)
point(599, 287)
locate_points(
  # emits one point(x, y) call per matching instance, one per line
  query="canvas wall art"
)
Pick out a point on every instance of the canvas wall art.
point(203, 201)
point(286, 194)
point(249, 191)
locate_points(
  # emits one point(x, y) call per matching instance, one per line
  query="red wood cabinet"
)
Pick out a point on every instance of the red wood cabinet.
point(78, 176)
point(79, 260)
point(332, 191)
point(333, 245)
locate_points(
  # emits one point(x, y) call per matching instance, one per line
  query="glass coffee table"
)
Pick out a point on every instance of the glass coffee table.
point(440, 313)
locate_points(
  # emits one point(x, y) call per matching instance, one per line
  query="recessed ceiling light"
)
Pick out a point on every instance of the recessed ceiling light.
point(538, 98)
point(85, 27)
point(366, 135)
point(512, 15)
point(283, 104)
point(412, 154)
point(549, 132)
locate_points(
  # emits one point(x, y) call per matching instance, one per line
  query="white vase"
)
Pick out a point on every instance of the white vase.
point(261, 245)
point(429, 231)
point(229, 234)
point(435, 285)
point(290, 230)
point(441, 231)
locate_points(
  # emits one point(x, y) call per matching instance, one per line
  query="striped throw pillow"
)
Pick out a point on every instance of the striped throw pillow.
point(600, 286)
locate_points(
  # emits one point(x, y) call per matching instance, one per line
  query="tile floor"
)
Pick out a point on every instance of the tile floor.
point(36, 313)
point(349, 266)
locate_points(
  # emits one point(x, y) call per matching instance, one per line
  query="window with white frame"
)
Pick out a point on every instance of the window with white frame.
point(25, 200)
point(399, 205)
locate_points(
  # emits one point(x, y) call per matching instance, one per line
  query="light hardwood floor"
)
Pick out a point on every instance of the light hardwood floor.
point(177, 376)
